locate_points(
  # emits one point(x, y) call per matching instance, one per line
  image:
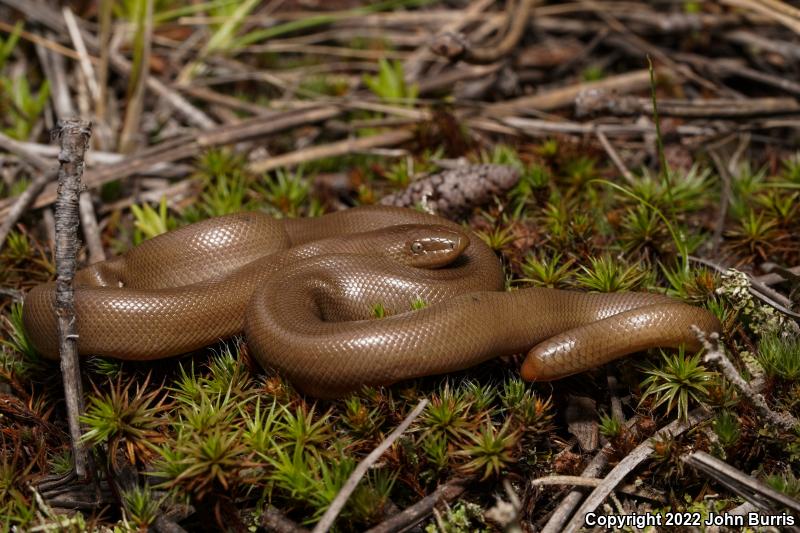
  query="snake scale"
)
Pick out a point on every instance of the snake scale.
point(303, 291)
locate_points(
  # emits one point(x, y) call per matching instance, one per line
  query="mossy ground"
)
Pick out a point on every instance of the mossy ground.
point(213, 430)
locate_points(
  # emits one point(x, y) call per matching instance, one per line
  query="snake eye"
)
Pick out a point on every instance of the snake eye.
point(417, 247)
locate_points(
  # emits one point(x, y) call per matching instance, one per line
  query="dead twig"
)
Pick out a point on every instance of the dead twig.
point(91, 229)
point(47, 151)
point(715, 355)
point(636, 80)
point(773, 9)
point(414, 65)
point(21, 203)
point(776, 274)
point(785, 48)
point(450, 77)
point(347, 146)
point(615, 157)
point(65, 493)
point(422, 509)
point(593, 482)
point(759, 290)
point(762, 496)
point(336, 51)
point(83, 55)
point(128, 138)
point(189, 146)
point(736, 68)
point(455, 47)
point(626, 466)
point(539, 127)
point(273, 520)
point(708, 108)
point(564, 510)
point(175, 194)
point(350, 485)
point(208, 95)
point(644, 46)
point(74, 138)
point(54, 69)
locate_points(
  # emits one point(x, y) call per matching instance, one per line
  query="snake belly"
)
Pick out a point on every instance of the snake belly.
point(302, 290)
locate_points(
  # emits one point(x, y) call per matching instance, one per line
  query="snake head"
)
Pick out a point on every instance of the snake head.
point(431, 246)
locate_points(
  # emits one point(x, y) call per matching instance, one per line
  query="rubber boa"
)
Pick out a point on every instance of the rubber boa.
point(304, 291)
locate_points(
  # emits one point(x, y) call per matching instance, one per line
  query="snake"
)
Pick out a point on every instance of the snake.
point(305, 293)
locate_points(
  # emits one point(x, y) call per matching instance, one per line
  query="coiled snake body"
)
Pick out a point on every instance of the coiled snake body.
point(304, 290)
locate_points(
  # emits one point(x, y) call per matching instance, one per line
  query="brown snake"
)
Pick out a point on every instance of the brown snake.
point(304, 290)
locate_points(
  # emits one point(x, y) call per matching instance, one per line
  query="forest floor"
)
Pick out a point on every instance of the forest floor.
point(657, 150)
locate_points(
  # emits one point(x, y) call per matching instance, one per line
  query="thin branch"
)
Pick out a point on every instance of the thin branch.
point(615, 157)
point(628, 464)
point(53, 66)
point(91, 229)
point(564, 510)
point(757, 41)
point(350, 485)
point(580, 481)
point(772, 278)
point(189, 146)
point(104, 40)
point(636, 80)
point(74, 138)
point(44, 174)
point(762, 496)
point(414, 65)
point(539, 127)
point(273, 520)
point(347, 146)
point(576, 481)
point(94, 158)
point(715, 355)
point(763, 7)
point(80, 46)
point(136, 88)
point(697, 108)
point(422, 509)
point(644, 46)
point(456, 48)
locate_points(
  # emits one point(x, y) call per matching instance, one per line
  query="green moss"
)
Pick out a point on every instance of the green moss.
point(677, 383)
